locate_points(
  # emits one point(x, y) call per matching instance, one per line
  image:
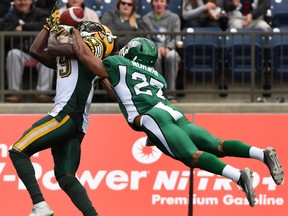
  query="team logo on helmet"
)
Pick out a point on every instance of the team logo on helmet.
point(99, 31)
point(130, 45)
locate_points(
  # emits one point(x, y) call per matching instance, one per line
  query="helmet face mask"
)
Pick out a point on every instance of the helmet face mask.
point(99, 31)
point(140, 50)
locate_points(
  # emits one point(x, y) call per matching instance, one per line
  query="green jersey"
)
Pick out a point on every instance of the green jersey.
point(139, 90)
point(138, 87)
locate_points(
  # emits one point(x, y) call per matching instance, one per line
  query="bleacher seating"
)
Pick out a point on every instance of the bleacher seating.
point(239, 54)
point(225, 54)
point(279, 12)
point(278, 46)
point(202, 52)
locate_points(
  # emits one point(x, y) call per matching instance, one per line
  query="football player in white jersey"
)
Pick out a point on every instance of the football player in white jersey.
point(63, 129)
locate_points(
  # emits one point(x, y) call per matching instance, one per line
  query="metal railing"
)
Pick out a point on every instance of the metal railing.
point(254, 63)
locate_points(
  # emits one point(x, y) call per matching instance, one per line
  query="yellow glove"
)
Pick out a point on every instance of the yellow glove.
point(54, 17)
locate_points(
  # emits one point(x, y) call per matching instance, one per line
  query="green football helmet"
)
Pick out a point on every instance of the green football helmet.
point(140, 50)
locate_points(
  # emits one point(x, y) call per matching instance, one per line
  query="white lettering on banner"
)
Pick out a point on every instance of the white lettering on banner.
point(92, 182)
point(270, 182)
point(135, 179)
point(119, 180)
point(228, 200)
point(47, 181)
point(4, 150)
point(262, 199)
point(115, 180)
point(164, 180)
point(2, 166)
point(170, 182)
point(157, 199)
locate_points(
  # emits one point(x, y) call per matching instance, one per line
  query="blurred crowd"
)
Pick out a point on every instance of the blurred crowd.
point(124, 15)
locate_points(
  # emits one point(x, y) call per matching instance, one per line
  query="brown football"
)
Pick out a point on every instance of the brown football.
point(72, 16)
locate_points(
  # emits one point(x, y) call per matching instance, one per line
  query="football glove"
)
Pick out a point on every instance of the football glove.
point(54, 17)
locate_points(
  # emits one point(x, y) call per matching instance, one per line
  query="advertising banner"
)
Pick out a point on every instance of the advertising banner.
point(124, 177)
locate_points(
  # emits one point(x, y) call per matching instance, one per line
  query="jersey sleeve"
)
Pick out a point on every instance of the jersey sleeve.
point(111, 64)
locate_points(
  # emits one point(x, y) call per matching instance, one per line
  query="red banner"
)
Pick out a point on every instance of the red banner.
point(124, 177)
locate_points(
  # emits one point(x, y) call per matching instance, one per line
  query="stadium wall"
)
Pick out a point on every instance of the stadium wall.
point(124, 177)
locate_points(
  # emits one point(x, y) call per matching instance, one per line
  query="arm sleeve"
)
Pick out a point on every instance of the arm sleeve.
point(228, 5)
point(37, 24)
point(142, 26)
point(261, 9)
point(9, 22)
point(192, 13)
point(108, 20)
point(176, 27)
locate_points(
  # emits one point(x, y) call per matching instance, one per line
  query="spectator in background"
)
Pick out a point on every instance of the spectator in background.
point(162, 20)
point(123, 18)
point(89, 14)
point(24, 16)
point(44, 4)
point(247, 13)
point(4, 7)
point(201, 13)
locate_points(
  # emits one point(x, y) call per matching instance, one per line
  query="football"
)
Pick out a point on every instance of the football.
point(72, 16)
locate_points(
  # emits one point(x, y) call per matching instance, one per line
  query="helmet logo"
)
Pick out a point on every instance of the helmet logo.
point(130, 45)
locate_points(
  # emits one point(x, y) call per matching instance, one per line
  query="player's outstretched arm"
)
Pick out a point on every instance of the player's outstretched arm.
point(107, 86)
point(58, 48)
point(83, 53)
point(39, 51)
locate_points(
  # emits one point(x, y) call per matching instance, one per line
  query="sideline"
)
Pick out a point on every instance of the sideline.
point(112, 108)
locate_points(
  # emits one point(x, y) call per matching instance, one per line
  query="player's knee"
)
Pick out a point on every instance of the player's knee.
point(220, 147)
point(14, 53)
point(66, 181)
point(195, 158)
point(14, 154)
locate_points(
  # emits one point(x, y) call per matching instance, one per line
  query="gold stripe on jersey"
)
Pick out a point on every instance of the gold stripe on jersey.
point(38, 132)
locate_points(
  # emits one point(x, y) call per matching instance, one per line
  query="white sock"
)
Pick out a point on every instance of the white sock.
point(40, 204)
point(257, 153)
point(231, 173)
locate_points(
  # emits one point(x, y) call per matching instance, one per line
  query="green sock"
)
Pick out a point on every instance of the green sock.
point(26, 173)
point(236, 148)
point(77, 193)
point(210, 163)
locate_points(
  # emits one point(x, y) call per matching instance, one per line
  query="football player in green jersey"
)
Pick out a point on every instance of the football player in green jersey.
point(139, 92)
point(63, 129)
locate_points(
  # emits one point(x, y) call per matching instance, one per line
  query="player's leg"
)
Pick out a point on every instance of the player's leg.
point(66, 159)
point(205, 141)
point(175, 142)
point(40, 136)
point(268, 156)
